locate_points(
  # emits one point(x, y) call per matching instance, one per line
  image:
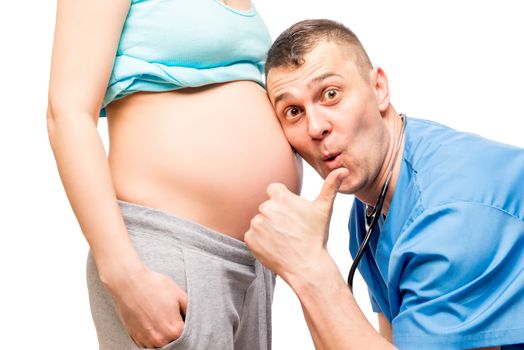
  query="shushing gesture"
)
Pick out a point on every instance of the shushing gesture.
point(290, 233)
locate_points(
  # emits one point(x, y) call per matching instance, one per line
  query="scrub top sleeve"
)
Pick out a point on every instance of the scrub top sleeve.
point(460, 274)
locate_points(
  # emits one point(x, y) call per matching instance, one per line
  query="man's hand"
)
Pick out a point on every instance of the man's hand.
point(289, 235)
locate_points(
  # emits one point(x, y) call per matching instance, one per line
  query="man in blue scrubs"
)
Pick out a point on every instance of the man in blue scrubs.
point(445, 263)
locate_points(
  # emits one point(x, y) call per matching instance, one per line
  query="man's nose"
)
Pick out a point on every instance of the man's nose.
point(318, 125)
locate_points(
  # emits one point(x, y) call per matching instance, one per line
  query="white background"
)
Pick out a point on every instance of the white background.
point(456, 62)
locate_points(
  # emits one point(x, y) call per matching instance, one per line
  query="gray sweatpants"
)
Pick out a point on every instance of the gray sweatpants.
point(229, 292)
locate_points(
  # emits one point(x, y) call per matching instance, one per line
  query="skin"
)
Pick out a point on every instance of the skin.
point(148, 165)
point(327, 108)
point(219, 161)
point(338, 117)
point(242, 5)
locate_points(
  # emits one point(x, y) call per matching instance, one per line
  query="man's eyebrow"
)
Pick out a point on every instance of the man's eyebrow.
point(322, 77)
point(280, 97)
point(315, 80)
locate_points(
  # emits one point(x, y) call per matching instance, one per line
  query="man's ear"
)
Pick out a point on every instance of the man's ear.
point(379, 83)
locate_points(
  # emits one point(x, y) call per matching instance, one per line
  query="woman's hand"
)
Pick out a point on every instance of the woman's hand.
point(151, 306)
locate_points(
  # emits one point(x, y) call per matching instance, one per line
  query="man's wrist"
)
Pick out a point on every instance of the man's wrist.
point(322, 273)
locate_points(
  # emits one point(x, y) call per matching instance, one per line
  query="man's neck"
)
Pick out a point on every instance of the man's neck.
point(392, 162)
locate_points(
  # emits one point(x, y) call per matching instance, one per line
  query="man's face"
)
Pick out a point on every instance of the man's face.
point(331, 114)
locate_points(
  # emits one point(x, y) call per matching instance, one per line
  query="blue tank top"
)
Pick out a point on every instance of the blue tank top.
point(172, 44)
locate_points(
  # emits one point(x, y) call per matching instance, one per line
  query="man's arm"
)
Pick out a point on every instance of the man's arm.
point(289, 236)
point(335, 319)
point(384, 327)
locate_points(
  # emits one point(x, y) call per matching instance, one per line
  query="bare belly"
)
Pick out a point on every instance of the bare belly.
point(205, 154)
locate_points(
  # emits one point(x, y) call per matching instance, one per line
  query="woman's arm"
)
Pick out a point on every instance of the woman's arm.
point(83, 54)
point(85, 43)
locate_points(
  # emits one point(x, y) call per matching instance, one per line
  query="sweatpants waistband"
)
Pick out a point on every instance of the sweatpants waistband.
point(144, 219)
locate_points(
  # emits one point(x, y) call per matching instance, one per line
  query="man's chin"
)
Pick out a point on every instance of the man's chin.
point(346, 188)
point(348, 185)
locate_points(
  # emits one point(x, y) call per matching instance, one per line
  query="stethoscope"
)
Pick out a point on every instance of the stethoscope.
point(373, 213)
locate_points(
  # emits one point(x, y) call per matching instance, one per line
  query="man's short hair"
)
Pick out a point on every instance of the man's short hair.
point(298, 40)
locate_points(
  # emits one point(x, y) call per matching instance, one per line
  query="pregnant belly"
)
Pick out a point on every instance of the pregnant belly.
point(205, 154)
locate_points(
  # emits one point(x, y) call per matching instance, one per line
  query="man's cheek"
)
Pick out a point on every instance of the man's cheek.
point(314, 163)
point(295, 137)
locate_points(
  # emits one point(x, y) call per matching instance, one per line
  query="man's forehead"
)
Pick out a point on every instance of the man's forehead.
point(283, 82)
point(325, 60)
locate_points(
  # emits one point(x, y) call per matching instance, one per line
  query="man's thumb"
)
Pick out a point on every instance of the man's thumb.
point(330, 188)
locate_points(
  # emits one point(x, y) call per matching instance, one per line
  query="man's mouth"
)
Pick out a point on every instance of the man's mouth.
point(332, 160)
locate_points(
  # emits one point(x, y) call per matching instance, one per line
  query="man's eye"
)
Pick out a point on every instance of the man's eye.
point(292, 112)
point(330, 94)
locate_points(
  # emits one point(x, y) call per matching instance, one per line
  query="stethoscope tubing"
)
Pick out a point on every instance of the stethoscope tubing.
point(375, 214)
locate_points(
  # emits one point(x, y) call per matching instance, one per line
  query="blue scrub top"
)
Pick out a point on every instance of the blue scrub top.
point(446, 267)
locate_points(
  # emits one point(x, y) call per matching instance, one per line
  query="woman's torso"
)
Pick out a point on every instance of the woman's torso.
point(206, 154)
